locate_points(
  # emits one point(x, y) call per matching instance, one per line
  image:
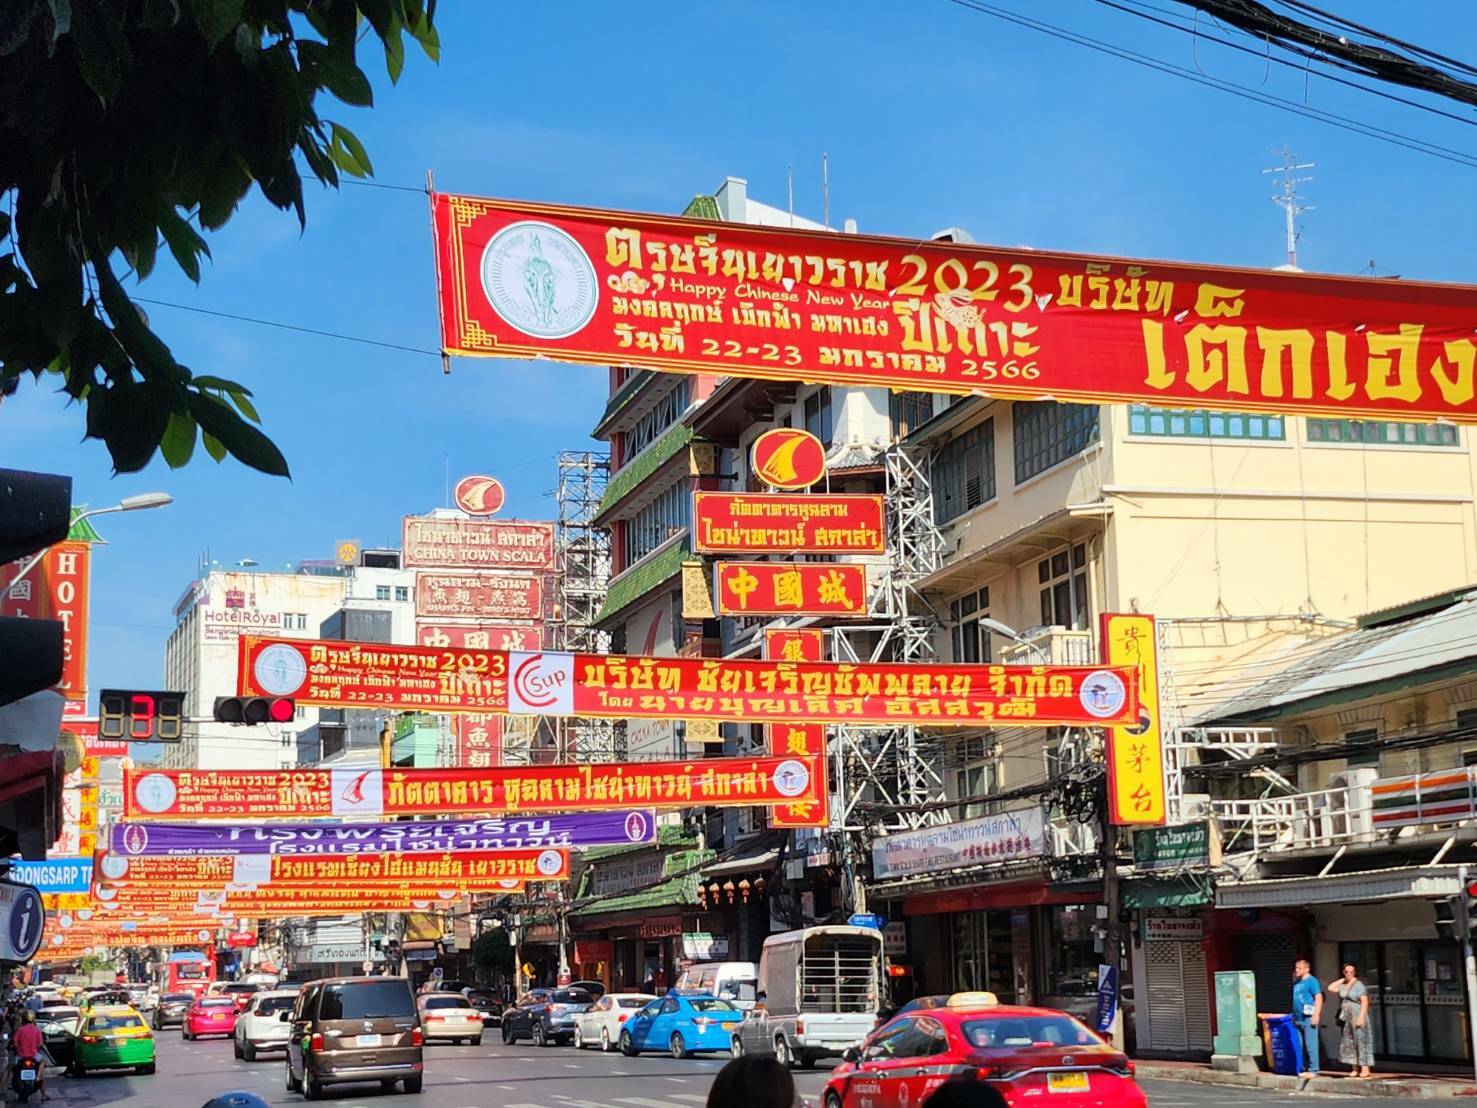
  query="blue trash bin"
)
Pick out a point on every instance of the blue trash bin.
point(1285, 1045)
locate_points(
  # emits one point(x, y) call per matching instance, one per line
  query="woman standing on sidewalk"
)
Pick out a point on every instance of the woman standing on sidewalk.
point(1356, 1042)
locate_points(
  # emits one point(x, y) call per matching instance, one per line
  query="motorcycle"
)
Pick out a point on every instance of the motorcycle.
point(25, 1077)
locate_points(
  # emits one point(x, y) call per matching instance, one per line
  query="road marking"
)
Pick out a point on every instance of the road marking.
point(695, 1098)
point(642, 1102)
point(507, 1086)
point(525, 1104)
point(679, 1080)
point(460, 1078)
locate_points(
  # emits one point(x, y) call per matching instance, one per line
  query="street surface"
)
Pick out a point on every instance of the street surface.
point(521, 1076)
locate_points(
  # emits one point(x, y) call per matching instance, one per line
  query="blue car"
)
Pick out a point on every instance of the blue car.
point(682, 1025)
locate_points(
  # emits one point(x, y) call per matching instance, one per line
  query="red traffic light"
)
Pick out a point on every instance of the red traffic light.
point(1472, 888)
point(251, 710)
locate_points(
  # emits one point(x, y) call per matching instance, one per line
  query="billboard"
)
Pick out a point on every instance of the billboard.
point(452, 543)
point(804, 644)
point(480, 636)
point(479, 595)
point(780, 523)
point(1136, 786)
point(599, 287)
point(790, 588)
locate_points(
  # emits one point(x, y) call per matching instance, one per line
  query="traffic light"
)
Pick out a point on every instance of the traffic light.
point(1456, 917)
point(137, 716)
point(35, 512)
point(251, 710)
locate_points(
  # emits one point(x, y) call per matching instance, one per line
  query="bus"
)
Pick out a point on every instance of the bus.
point(185, 971)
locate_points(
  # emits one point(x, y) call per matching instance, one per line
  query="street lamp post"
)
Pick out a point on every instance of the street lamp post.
point(141, 502)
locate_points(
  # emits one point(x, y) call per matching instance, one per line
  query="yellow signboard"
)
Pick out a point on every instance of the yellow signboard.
point(1136, 790)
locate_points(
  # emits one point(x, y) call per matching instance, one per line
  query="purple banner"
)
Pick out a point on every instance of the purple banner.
point(182, 840)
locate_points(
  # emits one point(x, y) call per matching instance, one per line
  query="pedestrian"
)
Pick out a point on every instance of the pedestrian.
point(753, 1081)
point(1307, 1012)
point(965, 1091)
point(1356, 1040)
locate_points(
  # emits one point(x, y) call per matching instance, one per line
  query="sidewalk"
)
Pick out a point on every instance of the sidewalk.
point(1417, 1086)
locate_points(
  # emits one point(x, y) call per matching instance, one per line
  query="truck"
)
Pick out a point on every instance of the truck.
point(818, 994)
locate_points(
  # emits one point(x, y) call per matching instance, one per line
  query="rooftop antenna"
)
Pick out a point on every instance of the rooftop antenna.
point(1288, 200)
point(825, 190)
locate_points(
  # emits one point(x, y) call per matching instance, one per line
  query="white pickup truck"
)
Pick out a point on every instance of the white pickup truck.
point(818, 994)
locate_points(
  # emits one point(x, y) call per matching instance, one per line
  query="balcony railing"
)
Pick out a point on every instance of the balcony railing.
point(1329, 817)
point(1056, 646)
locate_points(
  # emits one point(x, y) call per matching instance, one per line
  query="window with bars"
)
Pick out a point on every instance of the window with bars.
point(971, 639)
point(963, 474)
point(649, 427)
point(1063, 580)
point(1196, 423)
point(657, 522)
point(1371, 432)
point(909, 411)
point(818, 414)
point(1046, 432)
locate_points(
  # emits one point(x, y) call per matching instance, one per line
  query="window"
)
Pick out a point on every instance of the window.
point(1370, 757)
point(654, 524)
point(294, 621)
point(649, 427)
point(1072, 959)
point(980, 780)
point(818, 415)
point(1196, 423)
point(402, 592)
point(964, 473)
point(1047, 432)
point(366, 1000)
point(909, 411)
point(1063, 581)
point(970, 637)
point(1377, 433)
point(382, 592)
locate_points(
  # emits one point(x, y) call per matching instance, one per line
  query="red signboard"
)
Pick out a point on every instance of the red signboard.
point(238, 940)
point(615, 288)
point(801, 644)
point(788, 458)
point(480, 636)
point(478, 544)
point(485, 595)
point(479, 740)
point(392, 869)
point(479, 496)
point(790, 588)
point(775, 523)
point(411, 678)
point(59, 588)
point(311, 793)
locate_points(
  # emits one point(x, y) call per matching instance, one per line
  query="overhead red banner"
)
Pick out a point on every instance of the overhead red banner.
point(311, 793)
point(790, 588)
point(410, 678)
point(799, 644)
point(603, 287)
point(479, 595)
point(479, 870)
point(780, 523)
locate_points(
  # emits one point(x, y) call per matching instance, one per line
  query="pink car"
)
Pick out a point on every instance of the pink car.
point(210, 1015)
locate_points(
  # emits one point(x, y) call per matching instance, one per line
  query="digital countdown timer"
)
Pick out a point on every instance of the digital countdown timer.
point(141, 716)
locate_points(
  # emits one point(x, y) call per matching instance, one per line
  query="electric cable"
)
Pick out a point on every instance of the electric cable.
point(290, 327)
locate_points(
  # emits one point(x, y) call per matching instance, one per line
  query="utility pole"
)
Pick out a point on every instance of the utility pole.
point(1469, 958)
point(1112, 952)
point(1287, 199)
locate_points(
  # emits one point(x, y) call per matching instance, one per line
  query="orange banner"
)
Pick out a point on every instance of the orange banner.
point(1136, 786)
point(802, 644)
point(786, 523)
point(312, 793)
point(790, 588)
point(212, 904)
point(600, 287)
point(478, 870)
point(337, 674)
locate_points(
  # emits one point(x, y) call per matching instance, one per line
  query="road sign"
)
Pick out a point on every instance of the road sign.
point(867, 919)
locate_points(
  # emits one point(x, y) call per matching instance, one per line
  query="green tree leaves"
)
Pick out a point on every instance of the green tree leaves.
point(127, 126)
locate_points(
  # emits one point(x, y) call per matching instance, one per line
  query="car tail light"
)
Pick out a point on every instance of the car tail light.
point(701, 1021)
point(89, 1038)
point(475, 1017)
point(799, 1027)
point(429, 1018)
point(416, 1038)
point(984, 1073)
point(622, 1017)
point(315, 1043)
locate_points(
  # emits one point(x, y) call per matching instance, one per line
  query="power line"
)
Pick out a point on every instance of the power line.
point(1349, 24)
point(1344, 123)
point(291, 327)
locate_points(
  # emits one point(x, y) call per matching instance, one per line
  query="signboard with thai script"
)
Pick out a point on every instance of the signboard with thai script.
point(160, 794)
point(154, 840)
point(1137, 793)
point(480, 636)
point(411, 678)
point(790, 588)
point(276, 901)
point(455, 543)
point(799, 644)
point(1173, 929)
point(479, 595)
point(467, 869)
point(1006, 837)
point(787, 523)
point(1176, 848)
point(623, 875)
point(600, 287)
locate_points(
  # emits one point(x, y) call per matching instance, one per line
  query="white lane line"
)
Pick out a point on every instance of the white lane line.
point(620, 1073)
point(458, 1077)
point(694, 1098)
point(525, 1104)
point(643, 1102)
point(572, 1066)
point(679, 1080)
point(507, 1086)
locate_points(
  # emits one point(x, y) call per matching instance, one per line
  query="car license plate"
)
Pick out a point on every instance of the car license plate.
point(1066, 1082)
point(374, 1040)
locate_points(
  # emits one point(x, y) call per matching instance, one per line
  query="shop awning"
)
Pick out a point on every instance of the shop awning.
point(758, 855)
point(1423, 882)
point(1167, 892)
point(677, 892)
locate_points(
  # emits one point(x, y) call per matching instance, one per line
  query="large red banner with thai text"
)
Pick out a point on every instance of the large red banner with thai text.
point(476, 869)
point(337, 674)
point(158, 794)
point(586, 285)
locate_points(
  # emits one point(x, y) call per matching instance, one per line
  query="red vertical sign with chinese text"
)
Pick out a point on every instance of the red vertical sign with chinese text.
point(805, 644)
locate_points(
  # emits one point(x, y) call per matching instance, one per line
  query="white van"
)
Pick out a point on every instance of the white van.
point(735, 982)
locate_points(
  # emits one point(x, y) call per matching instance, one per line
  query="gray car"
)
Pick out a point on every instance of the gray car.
point(545, 1015)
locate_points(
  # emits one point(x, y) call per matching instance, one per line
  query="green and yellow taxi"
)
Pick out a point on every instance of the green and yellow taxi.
point(113, 1036)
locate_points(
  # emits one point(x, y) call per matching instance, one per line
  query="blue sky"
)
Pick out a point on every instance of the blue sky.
point(932, 116)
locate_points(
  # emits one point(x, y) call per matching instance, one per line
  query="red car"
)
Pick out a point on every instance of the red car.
point(1030, 1055)
point(210, 1015)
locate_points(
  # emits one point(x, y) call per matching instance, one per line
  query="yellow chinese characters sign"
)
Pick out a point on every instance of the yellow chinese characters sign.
point(1135, 754)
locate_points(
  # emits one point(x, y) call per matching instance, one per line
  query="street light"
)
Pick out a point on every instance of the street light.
point(1008, 632)
point(141, 502)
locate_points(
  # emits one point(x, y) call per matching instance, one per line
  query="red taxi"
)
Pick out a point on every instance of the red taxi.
point(209, 1015)
point(1030, 1055)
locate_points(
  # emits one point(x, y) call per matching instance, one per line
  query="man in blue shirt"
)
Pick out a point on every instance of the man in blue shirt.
point(1307, 1012)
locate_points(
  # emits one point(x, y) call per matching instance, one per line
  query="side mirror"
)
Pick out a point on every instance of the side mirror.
point(851, 1054)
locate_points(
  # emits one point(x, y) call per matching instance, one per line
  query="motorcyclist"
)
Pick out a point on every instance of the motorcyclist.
point(29, 1043)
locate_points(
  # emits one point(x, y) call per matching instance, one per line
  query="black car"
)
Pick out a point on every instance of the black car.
point(172, 1009)
point(545, 1015)
point(489, 1004)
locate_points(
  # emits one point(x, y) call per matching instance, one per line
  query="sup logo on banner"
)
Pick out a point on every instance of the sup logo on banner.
point(540, 280)
point(543, 684)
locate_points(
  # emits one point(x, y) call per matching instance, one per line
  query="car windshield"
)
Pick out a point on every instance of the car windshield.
point(114, 1023)
point(269, 1005)
point(241, 988)
point(571, 996)
point(177, 998)
point(366, 1000)
point(1014, 1031)
point(631, 1001)
point(446, 1002)
point(217, 1002)
point(708, 1004)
